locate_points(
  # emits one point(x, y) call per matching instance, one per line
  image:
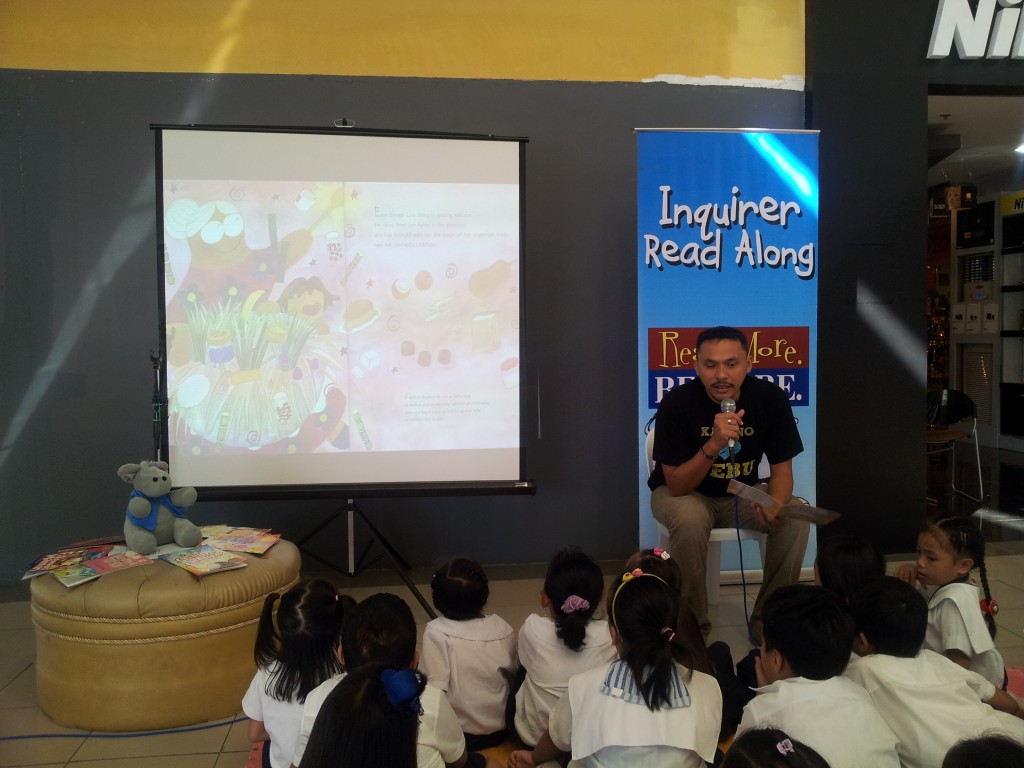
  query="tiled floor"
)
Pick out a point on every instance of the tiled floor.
point(29, 737)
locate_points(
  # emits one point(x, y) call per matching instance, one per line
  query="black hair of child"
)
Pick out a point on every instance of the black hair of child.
point(965, 540)
point(811, 628)
point(459, 589)
point(991, 751)
point(891, 614)
point(358, 727)
point(572, 573)
point(844, 561)
point(687, 628)
point(379, 630)
point(304, 640)
point(770, 748)
point(643, 610)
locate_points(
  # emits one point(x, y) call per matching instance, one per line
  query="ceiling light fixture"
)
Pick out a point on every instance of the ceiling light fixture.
point(1020, 149)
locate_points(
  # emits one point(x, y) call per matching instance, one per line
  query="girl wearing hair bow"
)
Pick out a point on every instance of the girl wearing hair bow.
point(370, 719)
point(648, 707)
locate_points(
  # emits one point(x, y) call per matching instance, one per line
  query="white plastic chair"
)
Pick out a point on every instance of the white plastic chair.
point(718, 535)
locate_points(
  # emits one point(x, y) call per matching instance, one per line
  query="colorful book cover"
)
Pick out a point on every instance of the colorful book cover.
point(244, 540)
point(222, 530)
point(99, 566)
point(65, 558)
point(204, 559)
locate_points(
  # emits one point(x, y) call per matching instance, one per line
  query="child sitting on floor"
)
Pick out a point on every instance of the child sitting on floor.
point(843, 562)
point(807, 638)
point(647, 708)
point(771, 748)
point(927, 700)
point(715, 659)
point(370, 719)
point(469, 656)
point(567, 641)
point(292, 659)
point(961, 625)
point(381, 630)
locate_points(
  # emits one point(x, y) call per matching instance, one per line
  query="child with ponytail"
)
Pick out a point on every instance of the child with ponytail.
point(649, 707)
point(567, 641)
point(292, 658)
point(370, 719)
point(961, 620)
point(715, 659)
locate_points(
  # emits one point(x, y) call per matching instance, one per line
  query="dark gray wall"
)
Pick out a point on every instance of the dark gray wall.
point(868, 84)
point(78, 297)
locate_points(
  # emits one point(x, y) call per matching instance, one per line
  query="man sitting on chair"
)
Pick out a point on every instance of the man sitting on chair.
point(694, 464)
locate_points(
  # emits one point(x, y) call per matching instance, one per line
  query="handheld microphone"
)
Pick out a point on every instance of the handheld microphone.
point(728, 405)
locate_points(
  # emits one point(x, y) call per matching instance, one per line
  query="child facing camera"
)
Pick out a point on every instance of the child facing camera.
point(567, 641)
point(469, 656)
point(961, 620)
point(770, 748)
point(292, 659)
point(649, 707)
point(806, 643)
point(927, 700)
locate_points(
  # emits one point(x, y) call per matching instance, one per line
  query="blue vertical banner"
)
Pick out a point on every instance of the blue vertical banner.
point(727, 234)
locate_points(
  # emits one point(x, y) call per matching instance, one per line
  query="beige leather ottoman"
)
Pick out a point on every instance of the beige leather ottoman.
point(153, 646)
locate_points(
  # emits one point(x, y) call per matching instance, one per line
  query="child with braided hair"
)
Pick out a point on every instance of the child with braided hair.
point(469, 656)
point(648, 707)
point(961, 625)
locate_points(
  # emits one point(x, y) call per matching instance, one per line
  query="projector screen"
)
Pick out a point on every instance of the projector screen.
point(341, 310)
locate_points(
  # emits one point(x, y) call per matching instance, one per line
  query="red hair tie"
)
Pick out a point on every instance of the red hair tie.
point(990, 606)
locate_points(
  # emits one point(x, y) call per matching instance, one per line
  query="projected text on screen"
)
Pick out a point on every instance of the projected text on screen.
point(341, 310)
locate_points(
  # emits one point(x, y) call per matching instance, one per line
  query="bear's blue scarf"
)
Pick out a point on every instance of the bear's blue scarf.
point(149, 522)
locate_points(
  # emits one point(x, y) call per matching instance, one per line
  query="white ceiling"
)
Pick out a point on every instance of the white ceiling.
point(990, 128)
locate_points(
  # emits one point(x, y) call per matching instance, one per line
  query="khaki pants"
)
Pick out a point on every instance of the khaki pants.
point(689, 520)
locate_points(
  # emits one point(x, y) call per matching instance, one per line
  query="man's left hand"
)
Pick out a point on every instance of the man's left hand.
point(767, 520)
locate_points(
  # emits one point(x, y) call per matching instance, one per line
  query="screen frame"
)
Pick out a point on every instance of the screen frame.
point(527, 396)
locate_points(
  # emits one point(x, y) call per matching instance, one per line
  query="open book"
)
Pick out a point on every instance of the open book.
point(816, 515)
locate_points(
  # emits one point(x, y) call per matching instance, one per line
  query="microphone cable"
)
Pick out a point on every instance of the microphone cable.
point(739, 546)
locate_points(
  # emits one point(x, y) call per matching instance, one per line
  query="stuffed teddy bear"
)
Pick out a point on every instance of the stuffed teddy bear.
point(156, 515)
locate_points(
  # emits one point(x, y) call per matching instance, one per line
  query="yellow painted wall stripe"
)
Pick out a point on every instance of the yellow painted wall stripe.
point(595, 40)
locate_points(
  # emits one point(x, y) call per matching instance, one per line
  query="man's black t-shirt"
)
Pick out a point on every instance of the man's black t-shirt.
point(686, 415)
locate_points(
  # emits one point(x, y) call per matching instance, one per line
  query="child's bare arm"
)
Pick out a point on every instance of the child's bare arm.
point(1004, 702)
point(908, 573)
point(257, 731)
point(958, 656)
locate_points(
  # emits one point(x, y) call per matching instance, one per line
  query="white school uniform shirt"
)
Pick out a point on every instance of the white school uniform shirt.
point(549, 663)
point(472, 661)
point(280, 718)
point(955, 622)
point(606, 730)
point(439, 738)
point(930, 703)
point(836, 717)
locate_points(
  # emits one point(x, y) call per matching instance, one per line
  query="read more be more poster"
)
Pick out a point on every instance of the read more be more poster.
point(727, 234)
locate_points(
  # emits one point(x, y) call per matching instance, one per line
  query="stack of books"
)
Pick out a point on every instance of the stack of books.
point(91, 559)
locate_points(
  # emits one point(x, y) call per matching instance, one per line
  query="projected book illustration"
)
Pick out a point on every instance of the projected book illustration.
point(340, 309)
